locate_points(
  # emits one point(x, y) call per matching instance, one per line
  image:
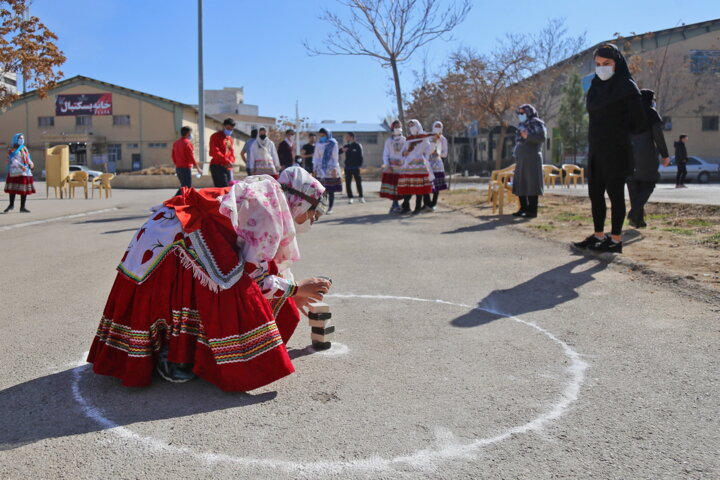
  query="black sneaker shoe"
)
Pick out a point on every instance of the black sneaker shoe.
point(174, 372)
point(24, 210)
point(519, 213)
point(607, 245)
point(591, 240)
point(527, 214)
point(10, 207)
point(404, 211)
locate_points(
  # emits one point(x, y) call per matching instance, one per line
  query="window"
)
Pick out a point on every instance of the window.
point(133, 145)
point(83, 120)
point(10, 81)
point(157, 145)
point(46, 121)
point(693, 161)
point(710, 123)
point(667, 123)
point(121, 119)
point(705, 61)
point(368, 138)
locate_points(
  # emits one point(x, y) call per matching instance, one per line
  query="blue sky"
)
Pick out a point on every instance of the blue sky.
point(151, 46)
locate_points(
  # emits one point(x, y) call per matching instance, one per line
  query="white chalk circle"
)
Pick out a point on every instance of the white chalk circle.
point(445, 448)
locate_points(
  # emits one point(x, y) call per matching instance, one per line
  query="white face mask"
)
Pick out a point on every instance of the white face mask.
point(414, 129)
point(437, 129)
point(397, 131)
point(302, 227)
point(604, 72)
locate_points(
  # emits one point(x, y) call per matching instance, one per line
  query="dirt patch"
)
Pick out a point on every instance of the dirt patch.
point(681, 241)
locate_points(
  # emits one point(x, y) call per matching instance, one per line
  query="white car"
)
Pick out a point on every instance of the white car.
point(91, 173)
point(698, 170)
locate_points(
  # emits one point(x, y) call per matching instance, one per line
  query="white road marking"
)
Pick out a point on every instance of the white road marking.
point(447, 446)
point(56, 219)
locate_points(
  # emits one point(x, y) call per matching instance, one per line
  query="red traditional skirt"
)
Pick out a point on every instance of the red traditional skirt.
point(230, 335)
point(389, 184)
point(20, 185)
point(414, 184)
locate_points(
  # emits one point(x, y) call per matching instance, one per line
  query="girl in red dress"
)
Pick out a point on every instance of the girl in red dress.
point(205, 286)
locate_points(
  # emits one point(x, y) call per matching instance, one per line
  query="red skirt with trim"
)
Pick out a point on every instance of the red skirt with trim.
point(20, 185)
point(388, 186)
point(414, 184)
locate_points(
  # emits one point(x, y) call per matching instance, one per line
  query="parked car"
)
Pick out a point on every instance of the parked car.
point(91, 173)
point(698, 170)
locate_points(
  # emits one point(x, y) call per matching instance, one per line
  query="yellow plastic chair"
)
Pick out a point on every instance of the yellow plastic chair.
point(501, 189)
point(102, 183)
point(494, 176)
point(551, 173)
point(77, 179)
point(573, 173)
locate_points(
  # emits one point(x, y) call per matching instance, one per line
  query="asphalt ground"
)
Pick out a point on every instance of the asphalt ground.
point(462, 350)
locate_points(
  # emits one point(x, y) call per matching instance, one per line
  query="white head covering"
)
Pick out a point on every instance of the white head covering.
point(299, 179)
point(438, 124)
point(416, 121)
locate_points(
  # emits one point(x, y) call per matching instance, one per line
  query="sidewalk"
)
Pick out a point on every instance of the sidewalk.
point(707, 194)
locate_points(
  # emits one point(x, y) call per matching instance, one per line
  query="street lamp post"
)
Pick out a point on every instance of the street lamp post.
point(201, 92)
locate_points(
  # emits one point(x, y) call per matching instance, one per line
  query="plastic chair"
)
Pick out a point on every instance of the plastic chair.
point(500, 189)
point(573, 173)
point(102, 183)
point(77, 179)
point(550, 174)
point(495, 175)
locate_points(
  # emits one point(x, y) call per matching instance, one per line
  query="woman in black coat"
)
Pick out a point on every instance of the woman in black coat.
point(648, 146)
point(615, 112)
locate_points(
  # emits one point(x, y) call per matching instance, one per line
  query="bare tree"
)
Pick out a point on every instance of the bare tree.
point(27, 47)
point(389, 31)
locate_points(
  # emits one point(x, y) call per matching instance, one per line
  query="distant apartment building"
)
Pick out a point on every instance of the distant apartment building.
point(9, 82)
point(230, 103)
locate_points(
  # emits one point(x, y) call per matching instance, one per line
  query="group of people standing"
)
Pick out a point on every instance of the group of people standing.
point(413, 165)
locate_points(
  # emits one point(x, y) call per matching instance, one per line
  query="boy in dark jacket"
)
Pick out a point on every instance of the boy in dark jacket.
point(681, 158)
point(353, 161)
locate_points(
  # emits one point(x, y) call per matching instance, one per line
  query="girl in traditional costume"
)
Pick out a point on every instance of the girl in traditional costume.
point(19, 179)
point(205, 286)
point(415, 176)
point(392, 163)
point(438, 151)
point(263, 158)
point(326, 167)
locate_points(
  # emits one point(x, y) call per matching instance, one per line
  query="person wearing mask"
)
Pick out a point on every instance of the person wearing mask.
point(222, 154)
point(392, 163)
point(326, 167)
point(307, 151)
point(19, 179)
point(183, 156)
point(438, 151)
point(353, 161)
point(681, 158)
point(245, 152)
point(205, 287)
point(615, 112)
point(286, 150)
point(263, 158)
point(647, 146)
point(416, 178)
point(528, 180)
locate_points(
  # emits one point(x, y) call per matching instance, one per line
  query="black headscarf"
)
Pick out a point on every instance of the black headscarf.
point(533, 124)
point(619, 86)
point(647, 99)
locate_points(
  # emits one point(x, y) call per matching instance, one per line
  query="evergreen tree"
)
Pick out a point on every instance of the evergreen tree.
point(573, 119)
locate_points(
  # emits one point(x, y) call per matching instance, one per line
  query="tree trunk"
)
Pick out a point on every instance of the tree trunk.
point(500, 145)
point(398, 93)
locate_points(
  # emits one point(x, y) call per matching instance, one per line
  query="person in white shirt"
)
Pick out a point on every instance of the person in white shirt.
point(326, 166)
point(392, 163)
point(263, 158)
point(438, 151)
point(415, 176)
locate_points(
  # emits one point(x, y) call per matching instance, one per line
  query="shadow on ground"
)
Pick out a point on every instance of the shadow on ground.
point(46, 407)
point(114, 219)
point(542, 292)
point(489, 222)
point(365, 219)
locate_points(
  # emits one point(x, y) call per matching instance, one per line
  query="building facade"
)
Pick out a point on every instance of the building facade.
point(107, 127)
point(230, 103)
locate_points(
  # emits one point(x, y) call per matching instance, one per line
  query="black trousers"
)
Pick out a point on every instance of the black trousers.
point(529, 203)
point(351, 173)
point(418, 201)
point(220, 175)
point(640, 192)
point(185, 176)
point(681, 174)
point(616, 192)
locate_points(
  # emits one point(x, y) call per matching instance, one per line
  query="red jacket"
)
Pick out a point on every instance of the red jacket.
point(183, 153)
point(221, 149)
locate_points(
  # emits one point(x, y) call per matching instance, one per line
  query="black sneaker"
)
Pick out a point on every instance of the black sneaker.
point(10, 207)
point(519, 213)
point(607, 245)
point(528, 214)
point(589, 241)
point(174, 372)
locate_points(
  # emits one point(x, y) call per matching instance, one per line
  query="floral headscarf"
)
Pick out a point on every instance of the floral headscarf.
point(299, 179)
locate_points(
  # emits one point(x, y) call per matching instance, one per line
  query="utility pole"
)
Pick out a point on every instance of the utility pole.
point(201, 93)
point(297, 129)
